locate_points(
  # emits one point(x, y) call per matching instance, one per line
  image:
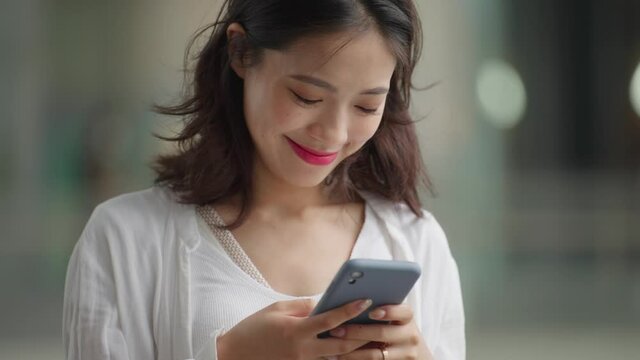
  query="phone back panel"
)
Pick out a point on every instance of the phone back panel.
point(383, 281)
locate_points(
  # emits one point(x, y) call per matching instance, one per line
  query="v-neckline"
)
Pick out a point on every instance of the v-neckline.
point(241, 260)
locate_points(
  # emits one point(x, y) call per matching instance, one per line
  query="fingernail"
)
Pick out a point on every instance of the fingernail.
point(365, 304)
point(339, 332)
point(377, 314)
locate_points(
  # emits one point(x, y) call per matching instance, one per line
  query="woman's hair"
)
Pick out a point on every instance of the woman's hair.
point(215, 151)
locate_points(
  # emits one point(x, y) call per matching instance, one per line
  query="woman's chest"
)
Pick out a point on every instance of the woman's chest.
point(299, 260)
point(221, 296)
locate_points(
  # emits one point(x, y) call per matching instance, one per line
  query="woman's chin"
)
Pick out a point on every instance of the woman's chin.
point(306, 182)
point(306, 179)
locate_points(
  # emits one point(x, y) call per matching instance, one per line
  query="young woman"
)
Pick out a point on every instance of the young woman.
point(298, 153)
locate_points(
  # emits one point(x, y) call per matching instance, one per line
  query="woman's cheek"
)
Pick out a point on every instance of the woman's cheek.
point(360, 134)
point(353, 147)
point(365, 130)
point(355, 144)
point(284, 112)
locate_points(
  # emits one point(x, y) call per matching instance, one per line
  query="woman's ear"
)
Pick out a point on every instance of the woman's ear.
point(236, 48)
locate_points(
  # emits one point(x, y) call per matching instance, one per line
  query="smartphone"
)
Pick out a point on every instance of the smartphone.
point(383, 281)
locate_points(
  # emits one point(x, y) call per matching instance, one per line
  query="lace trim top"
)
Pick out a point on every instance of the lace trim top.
point(229, 243)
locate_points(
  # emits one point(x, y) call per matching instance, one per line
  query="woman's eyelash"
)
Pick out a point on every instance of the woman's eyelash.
point(311, 102)
point(305, 100)
point(366, 110)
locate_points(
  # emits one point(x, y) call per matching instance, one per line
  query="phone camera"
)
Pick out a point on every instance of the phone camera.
point(352, 281)
point(357, 274)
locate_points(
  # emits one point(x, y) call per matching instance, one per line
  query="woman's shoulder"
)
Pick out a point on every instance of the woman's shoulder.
point(121, 249)
point(139, 206)
point(420, 232)
point(135, 217)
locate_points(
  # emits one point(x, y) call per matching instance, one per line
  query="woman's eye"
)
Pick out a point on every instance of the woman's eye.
point(367, 110)
point(304, 100)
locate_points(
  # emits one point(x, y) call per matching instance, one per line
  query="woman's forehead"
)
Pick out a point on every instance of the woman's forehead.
point(341, 54)
point(325, 46)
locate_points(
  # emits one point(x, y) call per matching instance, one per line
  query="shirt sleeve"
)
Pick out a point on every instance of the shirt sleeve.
point(97, 288)
point(451, 344)
point(90, 318)
point(443, 310)
point(209, 350)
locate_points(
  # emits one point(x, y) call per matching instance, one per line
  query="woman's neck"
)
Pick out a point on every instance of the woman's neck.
point(275, 195)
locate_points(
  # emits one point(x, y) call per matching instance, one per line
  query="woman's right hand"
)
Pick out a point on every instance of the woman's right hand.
point(284, 330)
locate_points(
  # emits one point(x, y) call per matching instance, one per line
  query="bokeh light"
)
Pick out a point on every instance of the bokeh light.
point(501, 93)
point(634, 90)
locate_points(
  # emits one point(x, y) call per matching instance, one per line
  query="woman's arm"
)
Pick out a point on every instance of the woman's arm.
point(91, 328)
point(102, 312)
point(451, 344)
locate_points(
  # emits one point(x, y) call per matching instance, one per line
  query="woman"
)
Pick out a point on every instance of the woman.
point(298, 153)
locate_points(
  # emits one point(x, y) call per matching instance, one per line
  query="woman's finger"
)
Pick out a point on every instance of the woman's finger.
point(400, 314)
point(333, 318)
point(335, 347)
point(373, 332)
point(372, 353)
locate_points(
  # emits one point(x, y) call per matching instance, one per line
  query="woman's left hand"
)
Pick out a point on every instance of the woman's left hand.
point(401, 338)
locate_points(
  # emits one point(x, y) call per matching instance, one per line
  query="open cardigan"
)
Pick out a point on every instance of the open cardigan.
point(127, 291)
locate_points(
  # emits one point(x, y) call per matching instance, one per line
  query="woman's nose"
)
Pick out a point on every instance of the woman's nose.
point(331, 128)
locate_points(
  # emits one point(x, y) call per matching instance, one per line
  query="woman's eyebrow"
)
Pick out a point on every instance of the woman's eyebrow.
point(325, 85)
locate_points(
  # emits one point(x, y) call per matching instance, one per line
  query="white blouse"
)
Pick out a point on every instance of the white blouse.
point(149, 280)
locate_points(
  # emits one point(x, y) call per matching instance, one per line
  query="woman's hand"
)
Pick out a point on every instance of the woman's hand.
point(401, 338)
point(283, 330)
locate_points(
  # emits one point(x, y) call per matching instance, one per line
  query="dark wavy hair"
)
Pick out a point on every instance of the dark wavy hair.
point(215, 153)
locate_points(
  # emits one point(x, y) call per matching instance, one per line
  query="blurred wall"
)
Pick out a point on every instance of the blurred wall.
point(530, 137)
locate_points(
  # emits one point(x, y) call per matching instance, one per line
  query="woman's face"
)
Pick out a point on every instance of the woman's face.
point(308, 110)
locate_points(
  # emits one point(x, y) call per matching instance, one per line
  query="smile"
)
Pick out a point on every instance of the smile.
point(310, 156)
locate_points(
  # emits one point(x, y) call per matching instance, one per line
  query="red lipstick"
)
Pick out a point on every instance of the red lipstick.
point(311, 156)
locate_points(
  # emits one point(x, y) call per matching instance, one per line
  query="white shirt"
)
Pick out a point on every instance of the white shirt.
point(147, 281)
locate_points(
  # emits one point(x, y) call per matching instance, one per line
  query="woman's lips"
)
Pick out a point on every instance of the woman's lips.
point(310, 156)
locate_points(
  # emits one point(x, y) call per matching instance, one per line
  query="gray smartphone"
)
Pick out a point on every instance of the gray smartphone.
point(383, 281)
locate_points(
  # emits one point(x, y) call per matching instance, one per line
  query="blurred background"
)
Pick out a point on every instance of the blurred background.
point(532, 138)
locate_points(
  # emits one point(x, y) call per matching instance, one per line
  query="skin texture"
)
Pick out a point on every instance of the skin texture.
point(337, 114)
point(335, 122)
point(402, 335)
